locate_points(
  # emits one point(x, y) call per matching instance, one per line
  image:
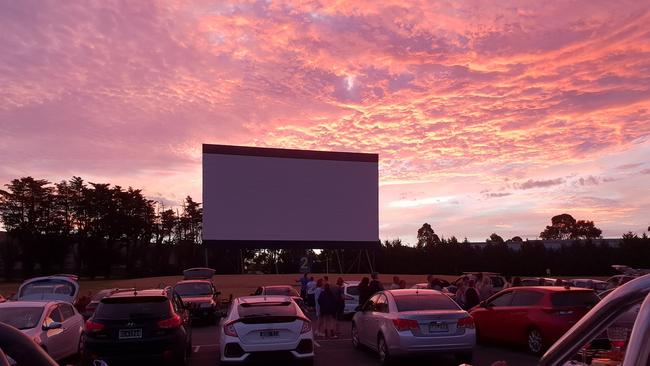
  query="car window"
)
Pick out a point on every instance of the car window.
point(53, 316)
point(370, 304)
point(497, 281)
point(502, 300)
point(574, 298)
point(424, 302)
point(21, 318)
point(66, 311)
point(282, 291)
point(193, 289)
point(526, 298)
point(381, 306)
point(267, 308)
point(177, 302)
point(352, 290)
point(134, 307)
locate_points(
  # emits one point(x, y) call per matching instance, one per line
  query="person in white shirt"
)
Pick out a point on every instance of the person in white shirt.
point(395, 284)
point(311, 290)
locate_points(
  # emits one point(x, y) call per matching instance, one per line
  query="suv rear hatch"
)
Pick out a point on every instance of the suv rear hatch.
point(63, 288)
point(198, 273)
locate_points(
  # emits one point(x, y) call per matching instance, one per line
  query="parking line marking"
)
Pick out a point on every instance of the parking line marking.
point(316, 344)
point(336, 340)
point(196, 349)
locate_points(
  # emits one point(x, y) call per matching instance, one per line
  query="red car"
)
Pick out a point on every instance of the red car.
point(532, 316)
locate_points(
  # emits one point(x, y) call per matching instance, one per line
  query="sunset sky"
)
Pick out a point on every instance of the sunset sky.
point(487, 118)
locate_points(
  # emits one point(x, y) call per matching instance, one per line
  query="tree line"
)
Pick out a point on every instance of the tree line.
point(98, 229)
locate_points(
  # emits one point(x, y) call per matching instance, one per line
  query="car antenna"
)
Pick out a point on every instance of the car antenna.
point(135, 290)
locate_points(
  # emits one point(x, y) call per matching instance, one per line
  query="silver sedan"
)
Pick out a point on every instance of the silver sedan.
point(412, 321)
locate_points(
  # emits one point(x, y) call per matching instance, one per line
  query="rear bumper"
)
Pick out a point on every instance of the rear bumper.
point(403, 344)
point(300, 349)
point(164, 350)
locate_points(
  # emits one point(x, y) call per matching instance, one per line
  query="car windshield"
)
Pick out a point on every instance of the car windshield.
point(21, 318)
point(263, 309)
point(133, 307)
point(574, 298)
point(284, 291)
point(193, 289)
point(424, 302)
point(48, 286)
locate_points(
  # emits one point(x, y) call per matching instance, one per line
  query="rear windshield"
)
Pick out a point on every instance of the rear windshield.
point(133, 307)
point(21, 318)
point(284, 291)
point(424, 302)
point(193, 289)
point(574, 298)
point(48, 286)
point(247, 310)
point(353, 290)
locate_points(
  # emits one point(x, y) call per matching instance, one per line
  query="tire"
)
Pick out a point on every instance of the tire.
point(356, 342)
point(465, 357)
point(534, 341)
point(382, 350)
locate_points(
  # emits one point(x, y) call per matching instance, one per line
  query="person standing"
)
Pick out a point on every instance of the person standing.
point(339, 295)
point(311, 289)
point(402, 284)
point(472, 297)
point(395, 284)
point(304, 280)
point(374, 285)
point(319, 320)
point(364, 290)
point(516, 282)
point(460, 292)
point(328, 306)
point(485, 287)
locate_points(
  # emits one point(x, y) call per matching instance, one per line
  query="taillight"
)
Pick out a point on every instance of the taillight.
point(174, 322)
point(92, 326)
point(229, 329)
point(466, 323)
point(306, 326)
point(406, 324)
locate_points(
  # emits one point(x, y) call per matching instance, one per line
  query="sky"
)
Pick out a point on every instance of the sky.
point(489, 116)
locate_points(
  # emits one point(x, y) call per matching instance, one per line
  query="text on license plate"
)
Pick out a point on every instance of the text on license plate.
point(437, 327)
point(130, 333)
point(269, 333)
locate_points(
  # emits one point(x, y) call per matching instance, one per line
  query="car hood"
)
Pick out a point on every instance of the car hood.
point(49, 288)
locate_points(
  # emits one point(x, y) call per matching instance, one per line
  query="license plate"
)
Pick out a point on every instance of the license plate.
point(130, 333)
point(437, 327)
point(269, 333)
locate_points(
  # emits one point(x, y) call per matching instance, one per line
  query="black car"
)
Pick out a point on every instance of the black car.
point(199, 294)
point(148, 327)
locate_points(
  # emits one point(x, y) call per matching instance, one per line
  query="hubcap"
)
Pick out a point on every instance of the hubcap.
point(534, 341)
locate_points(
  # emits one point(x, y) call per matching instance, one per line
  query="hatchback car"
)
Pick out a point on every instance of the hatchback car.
point(199, 294)
point(148, 327)
point(266, 328)
point(531, 316)
point(411, 321)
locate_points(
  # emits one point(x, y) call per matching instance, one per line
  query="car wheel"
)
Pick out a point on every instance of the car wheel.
point(382, 349)
point(534, 341)
point(356, 343)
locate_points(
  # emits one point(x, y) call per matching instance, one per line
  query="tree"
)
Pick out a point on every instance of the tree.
point(427, 237)
point(561, 227)
point(494, 239)
point(517, 239)
point(585, 230)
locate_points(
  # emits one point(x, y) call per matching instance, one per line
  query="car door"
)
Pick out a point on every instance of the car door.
point(365, 319)
point(519, 315)
point(54, 339)
point(380, 315)
point(71, 329)
point(490, 317)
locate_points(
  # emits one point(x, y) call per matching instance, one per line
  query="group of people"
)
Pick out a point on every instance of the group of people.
point(472, 290)
point(326, 300)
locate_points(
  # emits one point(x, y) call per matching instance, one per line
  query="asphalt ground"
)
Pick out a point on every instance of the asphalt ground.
point(339, 352)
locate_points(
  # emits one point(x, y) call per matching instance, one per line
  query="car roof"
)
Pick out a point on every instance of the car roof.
point(414, 291)
point(261, 298)
point(149, 292)
point(587, 279)
point(551, 288)
point(193, 281)
point(30, 304)
point(278, 286)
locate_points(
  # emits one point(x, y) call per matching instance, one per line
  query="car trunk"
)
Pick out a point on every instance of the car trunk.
point(436, 323)
point(268, 329)
point(50, 288)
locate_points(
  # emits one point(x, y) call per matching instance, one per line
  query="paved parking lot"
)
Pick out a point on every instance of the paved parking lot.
point(339, 352)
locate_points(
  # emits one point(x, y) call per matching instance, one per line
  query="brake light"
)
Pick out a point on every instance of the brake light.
point(229, 329)
point(306, 326)
point(92, 326)
point(174, 322)
point(466, 323)
point(406, 324)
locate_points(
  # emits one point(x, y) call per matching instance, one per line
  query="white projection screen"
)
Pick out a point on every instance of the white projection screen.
point(279, 198)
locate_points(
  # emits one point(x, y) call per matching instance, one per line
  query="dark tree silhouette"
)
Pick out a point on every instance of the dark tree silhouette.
point(427, 237)
point(494, 239)
point(517, 239)
point(561, 227)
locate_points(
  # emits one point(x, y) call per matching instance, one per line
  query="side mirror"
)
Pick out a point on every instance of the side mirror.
point(53, 325)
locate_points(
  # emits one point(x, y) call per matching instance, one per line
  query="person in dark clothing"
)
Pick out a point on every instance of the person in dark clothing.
point(374, 285)
point(329, 306)
point(364, 290)
point(472, 297)
point(516, 282)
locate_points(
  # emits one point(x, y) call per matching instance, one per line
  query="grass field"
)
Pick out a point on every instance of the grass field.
point(237, 285)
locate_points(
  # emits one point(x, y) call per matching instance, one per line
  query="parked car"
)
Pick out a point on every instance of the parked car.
point(263, 327)
point(44, 312)
point(20, 348)
point(412, 321)
point(422, 285)
point(627, 274)
point(90, 308)
point(351, 297)
point(596, 285)
point(634, 349)
point(2, 299)
point(498, 281)
point(144, 326)
point(538, 281)
point(531, 316)
point(199, 294)
point(281, 290)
